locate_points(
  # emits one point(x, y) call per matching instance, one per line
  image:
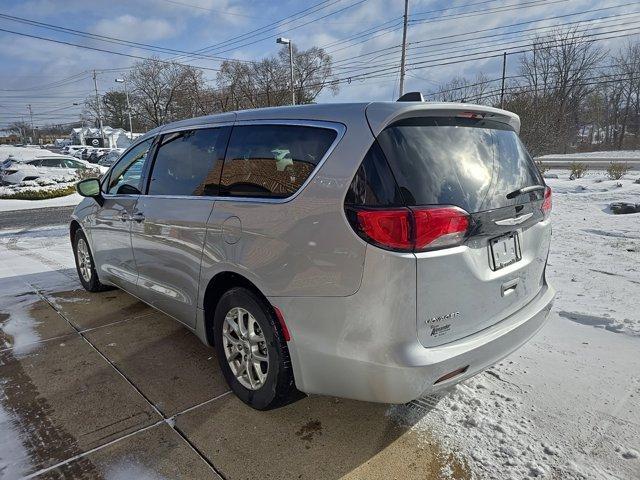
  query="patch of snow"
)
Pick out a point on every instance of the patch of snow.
point(19, 327)
point(14, 457)
point(10, 205)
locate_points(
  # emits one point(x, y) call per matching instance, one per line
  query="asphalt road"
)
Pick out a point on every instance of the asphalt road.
point(37, 217)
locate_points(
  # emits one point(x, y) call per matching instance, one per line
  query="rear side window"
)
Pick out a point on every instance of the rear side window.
point(52, 162)
point(189, 162)
point(373, 185)
point(272, 161)
point(453, 161)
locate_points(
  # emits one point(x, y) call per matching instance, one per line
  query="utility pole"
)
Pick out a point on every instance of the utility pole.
point(33, 135)
point(95, 84)
point(286, 41)
point(126, 92)
point(404, 46)
point(504, 71)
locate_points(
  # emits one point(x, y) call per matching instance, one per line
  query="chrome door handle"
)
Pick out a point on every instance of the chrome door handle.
point(138, 217)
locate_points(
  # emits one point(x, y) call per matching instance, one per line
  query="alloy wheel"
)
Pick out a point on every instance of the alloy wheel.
point(84, 260)
point(245, 348)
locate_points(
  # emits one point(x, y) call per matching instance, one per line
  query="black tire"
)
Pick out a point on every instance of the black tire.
point(278, 388)
point(93, 283)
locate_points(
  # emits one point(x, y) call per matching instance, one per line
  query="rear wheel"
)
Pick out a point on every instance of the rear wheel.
point(85, 265)
point(252, 352)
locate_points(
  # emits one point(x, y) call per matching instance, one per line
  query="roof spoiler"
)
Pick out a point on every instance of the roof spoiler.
point(411, 97)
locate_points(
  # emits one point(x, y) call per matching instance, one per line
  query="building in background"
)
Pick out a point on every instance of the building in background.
point(113, 137)
point(9, 138)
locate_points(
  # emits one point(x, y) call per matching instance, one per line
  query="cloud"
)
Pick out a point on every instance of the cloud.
point(132, 28)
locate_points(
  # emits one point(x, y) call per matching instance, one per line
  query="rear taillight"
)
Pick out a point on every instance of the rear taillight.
point(386, 228)
point(412, 229)
point(546, 204)
point(439, 227)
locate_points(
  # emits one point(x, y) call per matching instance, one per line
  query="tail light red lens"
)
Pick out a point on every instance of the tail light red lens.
point(547, 204)
point(411, 229)
point(387, 228)
point(439, 227)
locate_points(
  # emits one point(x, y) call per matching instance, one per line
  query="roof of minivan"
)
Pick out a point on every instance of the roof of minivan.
point(379, 114)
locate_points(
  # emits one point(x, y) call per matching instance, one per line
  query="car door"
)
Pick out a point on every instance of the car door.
point(169, 227)
point(111, 226)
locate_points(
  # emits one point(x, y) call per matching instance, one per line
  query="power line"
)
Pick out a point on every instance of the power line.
point(412, 45)
point(473, 13)
point(497, 42)
point(279, 23)
point(139, 57)
point(108, 39)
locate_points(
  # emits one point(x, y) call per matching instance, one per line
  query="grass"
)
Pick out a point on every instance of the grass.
point(40, 194)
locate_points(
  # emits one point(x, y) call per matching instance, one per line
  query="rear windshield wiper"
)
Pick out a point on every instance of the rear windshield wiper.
point(520, 191)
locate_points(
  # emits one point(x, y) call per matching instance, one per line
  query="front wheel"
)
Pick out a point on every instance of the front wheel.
point(84, 264)
point(252, 352)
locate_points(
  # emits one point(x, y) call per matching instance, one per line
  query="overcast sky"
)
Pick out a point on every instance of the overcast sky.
point(52, 76)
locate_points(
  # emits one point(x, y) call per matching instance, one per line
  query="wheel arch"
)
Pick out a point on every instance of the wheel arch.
point(74, 226)
point(219, 284)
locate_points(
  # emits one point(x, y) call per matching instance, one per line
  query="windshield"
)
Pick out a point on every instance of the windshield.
point(468, 163)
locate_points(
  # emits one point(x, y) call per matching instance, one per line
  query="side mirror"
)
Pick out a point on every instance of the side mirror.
point(90, 188)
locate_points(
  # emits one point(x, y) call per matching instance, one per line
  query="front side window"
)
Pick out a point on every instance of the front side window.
point(272, 161)
point(128, 171)
point(189, 162)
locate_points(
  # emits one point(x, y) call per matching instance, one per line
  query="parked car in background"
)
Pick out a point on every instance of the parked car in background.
point(47, 167)
point(96, 154)
point(71, 149)
point(379, 251)
point(111, 157)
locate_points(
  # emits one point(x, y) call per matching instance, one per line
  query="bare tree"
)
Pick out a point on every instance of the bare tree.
point(267, 83)
point(160, 90)
point(461, 89)
point(557, 77)
point(20, 129)
point(626, 72)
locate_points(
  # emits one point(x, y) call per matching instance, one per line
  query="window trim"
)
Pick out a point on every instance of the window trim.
point(107, 175)
point(340, 130)
point(156, 146)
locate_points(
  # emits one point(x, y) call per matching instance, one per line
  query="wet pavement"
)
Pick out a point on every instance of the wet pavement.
point(36, 217)
point(103, 386)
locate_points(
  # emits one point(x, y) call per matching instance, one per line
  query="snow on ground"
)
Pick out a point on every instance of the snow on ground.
point(9, 205)
point(567, 404)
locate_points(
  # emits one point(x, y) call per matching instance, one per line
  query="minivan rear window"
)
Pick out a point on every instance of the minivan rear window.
point(472, 164)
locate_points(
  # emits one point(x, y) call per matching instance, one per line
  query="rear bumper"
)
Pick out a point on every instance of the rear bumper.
point(406, 371)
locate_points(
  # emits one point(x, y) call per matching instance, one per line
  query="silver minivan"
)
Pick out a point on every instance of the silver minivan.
point(376, 251)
